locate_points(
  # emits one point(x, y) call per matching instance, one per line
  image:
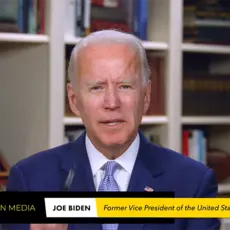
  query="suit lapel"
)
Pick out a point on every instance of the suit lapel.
point(147, 171)
point(76, 158)
point(148, 168)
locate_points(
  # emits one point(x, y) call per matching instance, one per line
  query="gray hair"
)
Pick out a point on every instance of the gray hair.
point(110, 36)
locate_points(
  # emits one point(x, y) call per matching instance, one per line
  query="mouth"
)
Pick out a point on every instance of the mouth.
point(113, 122)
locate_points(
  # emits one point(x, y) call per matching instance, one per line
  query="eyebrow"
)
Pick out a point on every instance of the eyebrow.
point(95, 82)
point(100, 82)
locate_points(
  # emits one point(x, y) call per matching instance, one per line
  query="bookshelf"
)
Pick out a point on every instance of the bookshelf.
point(23, 38)
point(32, 89)
point(205, 120)
point(203, 48)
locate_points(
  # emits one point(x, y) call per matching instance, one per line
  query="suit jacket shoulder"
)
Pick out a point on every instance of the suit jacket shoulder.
point(177, 172)
point(42, 170)
point(172, 160)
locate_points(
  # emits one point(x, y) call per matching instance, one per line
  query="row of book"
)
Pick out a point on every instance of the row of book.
point(157, 77)
point(22, 16)
point(204, 21)
point(86, 16)
point(195, 144)
point(207, 21)
point(206, 94)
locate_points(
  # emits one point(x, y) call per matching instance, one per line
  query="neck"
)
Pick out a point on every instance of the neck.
point(113, 151)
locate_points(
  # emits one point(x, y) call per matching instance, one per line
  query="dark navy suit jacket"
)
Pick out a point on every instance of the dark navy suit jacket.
point(159, 168)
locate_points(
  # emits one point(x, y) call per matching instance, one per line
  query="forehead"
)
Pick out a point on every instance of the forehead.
point(111, 59)
point(107, 49)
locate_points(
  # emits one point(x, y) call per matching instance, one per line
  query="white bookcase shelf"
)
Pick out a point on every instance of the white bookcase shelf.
point(149, 45)
point(72, 121)
point(23, 38)
point(202, 48)
point(70, 40)
point(154, 120)
point(206, 120)
point(224, 188)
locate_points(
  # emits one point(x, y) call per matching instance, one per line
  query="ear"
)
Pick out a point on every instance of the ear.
point(147, 98)
point(72, 97)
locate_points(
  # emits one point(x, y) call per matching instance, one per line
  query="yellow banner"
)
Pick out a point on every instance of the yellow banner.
point(164, 207)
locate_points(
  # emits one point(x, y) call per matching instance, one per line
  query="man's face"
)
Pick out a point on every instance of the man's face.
point(110, 97)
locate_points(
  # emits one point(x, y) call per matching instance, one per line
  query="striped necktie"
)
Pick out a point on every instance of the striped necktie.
point(108, 184)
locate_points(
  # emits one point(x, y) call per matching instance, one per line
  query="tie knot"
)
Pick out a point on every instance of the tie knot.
point(110, 167)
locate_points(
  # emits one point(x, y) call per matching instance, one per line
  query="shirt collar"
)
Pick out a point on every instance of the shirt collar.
point(126, 160)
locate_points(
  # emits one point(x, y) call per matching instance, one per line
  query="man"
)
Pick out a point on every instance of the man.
point(110, 90)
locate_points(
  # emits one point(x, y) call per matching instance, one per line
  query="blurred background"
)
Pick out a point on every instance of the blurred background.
point(188, 48)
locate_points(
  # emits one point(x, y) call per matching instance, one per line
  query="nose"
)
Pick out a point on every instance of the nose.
point(111, 100)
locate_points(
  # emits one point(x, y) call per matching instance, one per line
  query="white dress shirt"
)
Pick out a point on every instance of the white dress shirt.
point(126, 160)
